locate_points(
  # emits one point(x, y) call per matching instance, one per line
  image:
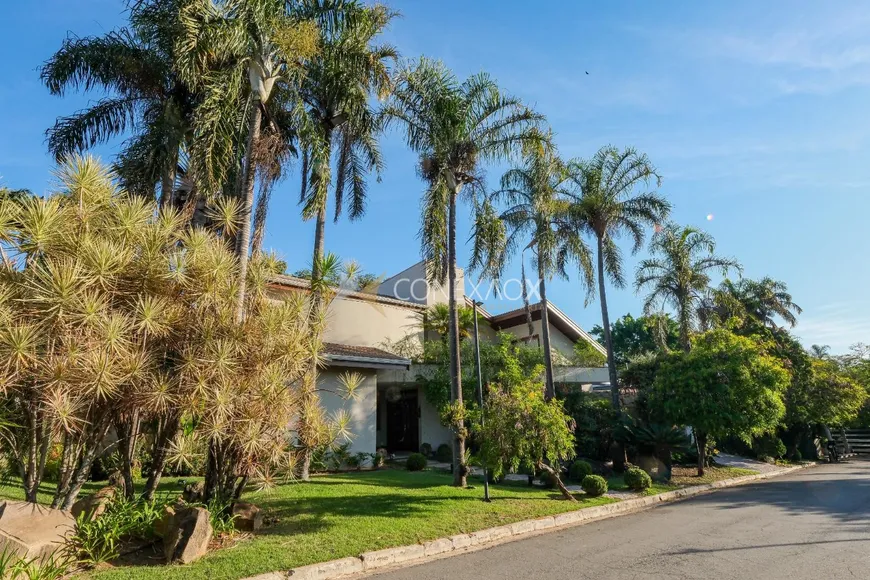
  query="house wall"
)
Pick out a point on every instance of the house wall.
point(362, 410)
point(368, 323)
point(558, 340)
point(411, 285)
point(431, 429)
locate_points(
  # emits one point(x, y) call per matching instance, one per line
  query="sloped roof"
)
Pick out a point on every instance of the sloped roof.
point(280, 280)
point(368, 355)
point(557, 318)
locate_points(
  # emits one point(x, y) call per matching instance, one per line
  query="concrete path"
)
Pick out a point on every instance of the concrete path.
point(726, 460)
point(812, 524)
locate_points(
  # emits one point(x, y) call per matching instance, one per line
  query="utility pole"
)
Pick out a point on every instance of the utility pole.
point(475, 303)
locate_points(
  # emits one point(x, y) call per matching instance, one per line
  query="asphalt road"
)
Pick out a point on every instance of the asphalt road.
point(813, 524)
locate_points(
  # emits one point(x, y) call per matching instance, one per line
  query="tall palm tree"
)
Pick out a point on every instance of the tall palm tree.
point(145, 97)
point(241, 54)
point(678, 274)
point(537, 217)
point(820, 351)
point(607, 203)
point(455, 127)
point(337, 90)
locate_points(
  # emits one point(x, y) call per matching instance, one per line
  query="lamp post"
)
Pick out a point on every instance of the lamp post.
point(475, 304)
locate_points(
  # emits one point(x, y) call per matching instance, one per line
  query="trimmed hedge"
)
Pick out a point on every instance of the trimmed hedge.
point(594, 485)
point(637, 479)
point(444, 453)
point(416, 462)
point(579, 470)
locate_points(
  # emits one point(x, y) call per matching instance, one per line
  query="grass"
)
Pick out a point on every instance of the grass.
point(684, 477)
point(336, 516)
point(343, 515)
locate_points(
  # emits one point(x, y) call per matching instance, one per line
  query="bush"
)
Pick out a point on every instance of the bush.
point(416, 462)
point(636, 479)
point(796, 456)
point(426, 449)
point(444, 453)
point(768, 447)
point(594, 485)
point(579, 470)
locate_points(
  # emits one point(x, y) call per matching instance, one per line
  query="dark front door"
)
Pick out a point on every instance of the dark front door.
point(403, 421)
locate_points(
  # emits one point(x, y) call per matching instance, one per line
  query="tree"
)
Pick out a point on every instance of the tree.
point(679, 273)
point(761, 300)
point(820, 351)
point(237, 53)
point(586, 355)
point(455, 127)
point(607, 205)
point(826, 397)
point(338, 87)
point(523, 429)
point(727, 385)
point(536, 218)
point(437, 319)
point(633, 337)
point(146, 98)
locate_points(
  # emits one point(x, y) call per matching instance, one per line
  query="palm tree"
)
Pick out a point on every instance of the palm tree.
point(679, 273)
point(240, 54)
point(762, 300)
point(337, 90)
point(607, 205)
point(537, 217)
point(146, 98)
point(437, 319)
point(455, 127)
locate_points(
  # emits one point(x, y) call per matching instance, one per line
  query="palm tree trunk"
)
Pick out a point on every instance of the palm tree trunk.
point(91, 449)
point(159, 451)
point(167, 182)
point(459, 474)
point(701, 442)
point(260, 220)
point(549, 387)
point(685, 341)
point(320, 226)
point(247, 206)
point(128, 433)
point(605, 321)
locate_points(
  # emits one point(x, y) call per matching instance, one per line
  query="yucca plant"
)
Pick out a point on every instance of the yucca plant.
point(115, 312)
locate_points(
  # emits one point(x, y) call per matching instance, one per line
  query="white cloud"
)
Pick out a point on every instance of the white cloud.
point(839, 325)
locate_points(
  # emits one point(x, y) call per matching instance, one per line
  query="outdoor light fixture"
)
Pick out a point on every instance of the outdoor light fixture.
point(475, 304)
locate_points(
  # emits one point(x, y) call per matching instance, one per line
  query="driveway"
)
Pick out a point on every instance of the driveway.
point(812, 524)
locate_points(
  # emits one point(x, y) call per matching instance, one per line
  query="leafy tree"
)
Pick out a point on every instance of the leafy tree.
point(586, 355)
point(455, 127)
point(606, 205)
point(537, 218)
point(633, 337)
point(337, 89)
point(437, 319)
point(727, 385)
point(524, 430)
point(826, 397)
point(679, 273)
point(144, 96)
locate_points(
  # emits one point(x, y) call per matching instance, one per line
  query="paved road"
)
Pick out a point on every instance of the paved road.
point(814, 524)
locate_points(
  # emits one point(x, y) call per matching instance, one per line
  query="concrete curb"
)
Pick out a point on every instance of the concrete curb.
point(387, 558)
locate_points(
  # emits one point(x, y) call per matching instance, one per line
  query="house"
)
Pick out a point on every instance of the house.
point(390, 409)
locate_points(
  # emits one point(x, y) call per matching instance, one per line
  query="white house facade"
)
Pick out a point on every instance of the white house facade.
point(390, 409)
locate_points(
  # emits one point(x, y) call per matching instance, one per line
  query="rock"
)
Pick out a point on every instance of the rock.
point(95, 505)
point(32, 531)
point(116, 480)
point(164, 522)
point(194, 492)
point(188, 536)
point(247, 517)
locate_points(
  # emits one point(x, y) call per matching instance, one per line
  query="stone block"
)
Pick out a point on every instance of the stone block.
point(437, 547)
point(93, 506)
point(189, 535)
point(461, 541)
point(33, 531)
point(388, 556)
point(525, 527)
point(247, 517)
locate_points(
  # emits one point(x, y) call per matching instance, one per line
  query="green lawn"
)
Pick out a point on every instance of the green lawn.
point(343, 515)
point(684, 477)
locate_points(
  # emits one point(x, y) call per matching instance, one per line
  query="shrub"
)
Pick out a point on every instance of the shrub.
point(637, 479)
point(768, 447)
point(444, 453)
point(426, 449)
point(416, 462)
point(579, 470)
point(378, 459)
point(594, 485)
point(796, 455)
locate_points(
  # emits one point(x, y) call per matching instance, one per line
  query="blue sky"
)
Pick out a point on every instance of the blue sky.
point(756, 113)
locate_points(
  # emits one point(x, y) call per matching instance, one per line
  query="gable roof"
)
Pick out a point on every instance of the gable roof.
point(362, 356)
point(557, 318)
point(283, 281)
